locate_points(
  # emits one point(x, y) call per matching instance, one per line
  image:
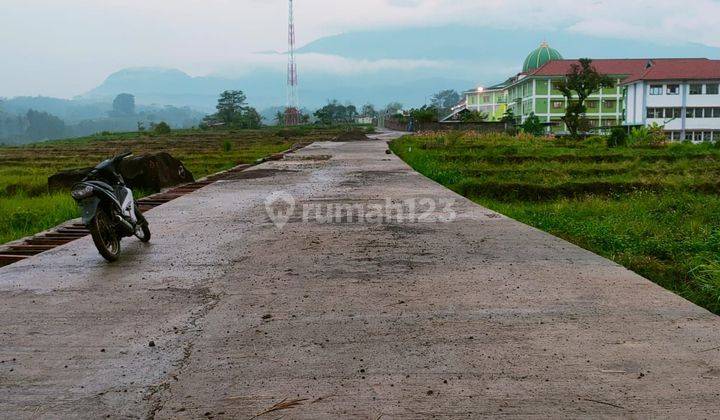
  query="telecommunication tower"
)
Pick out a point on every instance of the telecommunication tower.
point(292, 108)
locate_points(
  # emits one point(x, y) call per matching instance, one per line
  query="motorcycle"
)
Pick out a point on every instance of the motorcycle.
point(108, 208)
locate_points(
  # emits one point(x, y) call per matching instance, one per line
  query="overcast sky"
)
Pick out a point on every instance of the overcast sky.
point(66, 47)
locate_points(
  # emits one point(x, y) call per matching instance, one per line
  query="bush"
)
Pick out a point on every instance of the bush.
point(288, 133)
point(162, 128)
point(227, 146)
point(594, 141)
point(618, 138)
point(653, 136)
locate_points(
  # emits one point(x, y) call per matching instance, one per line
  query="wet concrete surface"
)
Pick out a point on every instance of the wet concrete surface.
point(225, 315)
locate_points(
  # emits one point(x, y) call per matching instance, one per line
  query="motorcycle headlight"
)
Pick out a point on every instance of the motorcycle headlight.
point(82, 193)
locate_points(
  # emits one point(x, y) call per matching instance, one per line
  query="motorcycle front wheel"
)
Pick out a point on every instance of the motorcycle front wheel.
point(142, 230)
point(104, 236)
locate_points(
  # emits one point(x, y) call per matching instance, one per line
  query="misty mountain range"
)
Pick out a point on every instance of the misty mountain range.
point(381, 66)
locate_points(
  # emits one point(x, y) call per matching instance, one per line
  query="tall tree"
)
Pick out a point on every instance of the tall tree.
point(582, 81)
point(445, 99)
point(280, 118)
point(233, 111)
point(123, 105)
point(230, 105)
point(393, 108)
point(368, 110)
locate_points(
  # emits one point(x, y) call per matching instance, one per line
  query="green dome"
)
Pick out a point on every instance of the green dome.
point(539, 57)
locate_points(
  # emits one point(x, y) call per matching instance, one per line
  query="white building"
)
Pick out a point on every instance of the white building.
point(683, 95)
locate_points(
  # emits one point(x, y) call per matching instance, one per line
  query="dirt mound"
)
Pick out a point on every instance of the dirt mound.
point(149, 172)
point(354, 135)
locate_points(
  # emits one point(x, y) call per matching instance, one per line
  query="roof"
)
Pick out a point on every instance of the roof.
point(634, 69)
point(629, 67)
point(540, 56)
point(679, 69)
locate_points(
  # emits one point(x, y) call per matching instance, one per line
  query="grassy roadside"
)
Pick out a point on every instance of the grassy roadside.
point(653, 210)
point(26, 207)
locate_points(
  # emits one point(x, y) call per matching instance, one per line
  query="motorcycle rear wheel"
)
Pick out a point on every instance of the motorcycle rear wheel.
point(104, 236)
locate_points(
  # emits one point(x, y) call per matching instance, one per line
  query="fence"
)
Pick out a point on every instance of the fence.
point(481, 127)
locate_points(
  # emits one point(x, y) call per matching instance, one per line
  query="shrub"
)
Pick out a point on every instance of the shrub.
point(227, 146)
point(287, 133)
point(162, 128)
point(647, 136)
point(618, 138)
point(533, 125)
point(596, 141)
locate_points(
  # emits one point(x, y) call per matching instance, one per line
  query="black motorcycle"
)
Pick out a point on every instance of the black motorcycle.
point(109, 209)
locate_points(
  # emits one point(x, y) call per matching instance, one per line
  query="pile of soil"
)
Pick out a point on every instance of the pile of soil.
point(148, 172)
point(354, 135)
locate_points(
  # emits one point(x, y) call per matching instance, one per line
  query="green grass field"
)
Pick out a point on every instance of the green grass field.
point(653, 210)
point(26, 207)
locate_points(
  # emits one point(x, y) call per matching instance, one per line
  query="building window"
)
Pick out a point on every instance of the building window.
point(711, 89)
point(673, 89)
point(608, 104)
point(672, 112)
point(592, 104)
point(708, 112)
point(655, 112)
point(716, 112)
point(690, 113)
point(695, 89)
point(656, 89)
point(558, 104)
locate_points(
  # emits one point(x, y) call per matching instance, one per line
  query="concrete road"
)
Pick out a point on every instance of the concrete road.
point(226, 315)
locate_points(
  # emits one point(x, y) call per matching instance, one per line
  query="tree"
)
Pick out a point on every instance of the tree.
point(336, 113)
point(161, 128)
point(123, 105)
point(581, 82)
point(445, 99)
point(368, 110)
point(424, 114)
point(393, 108)
point(280, 118)
point(41, 125)
point(509, 117)
point(233, 111)
point(230, 105)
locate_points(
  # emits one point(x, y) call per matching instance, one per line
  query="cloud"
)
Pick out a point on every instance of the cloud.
point(65, 47)
point(331, 64)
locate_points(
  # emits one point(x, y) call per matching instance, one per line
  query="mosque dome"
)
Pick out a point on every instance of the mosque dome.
point(539, 57)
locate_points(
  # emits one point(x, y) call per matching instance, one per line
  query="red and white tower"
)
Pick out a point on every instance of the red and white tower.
point(292, 109)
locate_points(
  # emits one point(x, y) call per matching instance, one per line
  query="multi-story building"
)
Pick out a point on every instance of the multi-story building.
point(682, 95)
point(534, 92)
point(491, 101)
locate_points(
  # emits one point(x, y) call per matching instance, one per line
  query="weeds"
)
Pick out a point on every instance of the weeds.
point(654, 209)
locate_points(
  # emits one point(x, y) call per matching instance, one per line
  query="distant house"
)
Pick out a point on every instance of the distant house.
point(364, 120)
